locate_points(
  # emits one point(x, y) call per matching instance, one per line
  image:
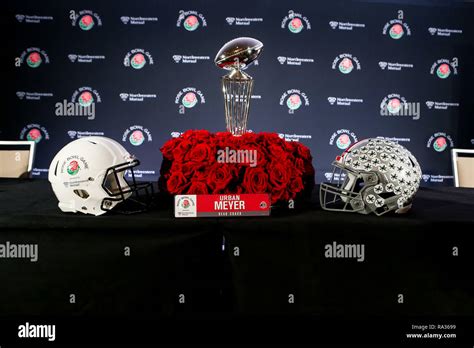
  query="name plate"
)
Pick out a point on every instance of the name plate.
point(221, 205)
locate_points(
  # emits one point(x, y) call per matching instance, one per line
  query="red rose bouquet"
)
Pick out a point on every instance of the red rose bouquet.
point(200, 162)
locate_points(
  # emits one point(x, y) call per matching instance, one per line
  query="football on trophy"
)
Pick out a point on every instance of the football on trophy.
point(238, 53)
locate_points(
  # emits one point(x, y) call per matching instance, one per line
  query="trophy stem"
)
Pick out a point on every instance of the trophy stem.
point(237, 87)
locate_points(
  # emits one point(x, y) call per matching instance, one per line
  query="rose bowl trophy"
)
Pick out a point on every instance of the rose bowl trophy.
point(237, 86)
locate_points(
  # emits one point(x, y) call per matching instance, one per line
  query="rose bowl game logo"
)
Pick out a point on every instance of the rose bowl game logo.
point(397, 28)
point(33, 57)
point(294, 99)
point(34, 132)
point(393, 103)
point(137, 58)
point(295, 22)
point(188, 98)
point(440, 141)
point(443, 67)
point(85, 96)
point(191, 20)
point(85, 19)
point(73, 167)
point(343, 138)
point(345, 63)
point(137, 135)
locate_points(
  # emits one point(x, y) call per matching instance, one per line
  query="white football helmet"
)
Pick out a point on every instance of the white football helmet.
point(372, 176)
point(88, 176)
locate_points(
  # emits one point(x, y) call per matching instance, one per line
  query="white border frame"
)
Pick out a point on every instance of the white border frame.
point(454, 156)
point(32, 145)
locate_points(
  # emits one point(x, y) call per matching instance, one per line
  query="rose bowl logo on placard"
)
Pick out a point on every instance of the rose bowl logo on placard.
point(34, 132)
point(294, 99)
point(295, 22)
point(443, 67)
point(440, 141)
point(85, 19)
point(137, 58)
point(343, 138)
point(393, 103)
point(397, 28)
point(85, 96)
point(188, 98)
point(191, 20)
point(33, 57)
point(137, 135)
point(345, 63)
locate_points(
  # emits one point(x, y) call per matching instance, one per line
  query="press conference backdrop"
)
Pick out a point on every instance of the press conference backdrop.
point(326, 72)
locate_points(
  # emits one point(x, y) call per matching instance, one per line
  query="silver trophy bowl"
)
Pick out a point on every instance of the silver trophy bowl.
point(237, 86)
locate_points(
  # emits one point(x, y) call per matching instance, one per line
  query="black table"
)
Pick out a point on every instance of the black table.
point(271, 265)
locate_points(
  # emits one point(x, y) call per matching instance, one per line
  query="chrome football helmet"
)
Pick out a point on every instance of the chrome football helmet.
point(372, 176)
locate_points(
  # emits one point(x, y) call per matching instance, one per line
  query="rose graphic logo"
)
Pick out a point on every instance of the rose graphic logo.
point(34, 60)
point(346, 66)
point(86, 98)
point(294, 101)
point(191, 23)
point(343, 141)
point(34, 135)
point(295, 25)
point(185, 203)
point(440, 144)
point(443, 71)
point(86, 22)
point(396, 31)
point(136, 138)
point(394, 105)
point(189, 100)
point(138, 61)
point(73, 168)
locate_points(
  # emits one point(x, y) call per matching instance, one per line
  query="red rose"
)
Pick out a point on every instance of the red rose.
point(198, 153)
point(277, 152)
point(181, 149)
point(255, 180)
point(167, 149)
point(198, 188)
point(296, 185)
point(303, 151)
point(299, 166)
point(219, 176)
point(176, 183)
point(279, 174)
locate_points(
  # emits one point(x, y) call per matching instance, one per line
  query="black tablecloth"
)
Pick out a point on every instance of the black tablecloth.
point(266, 261)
